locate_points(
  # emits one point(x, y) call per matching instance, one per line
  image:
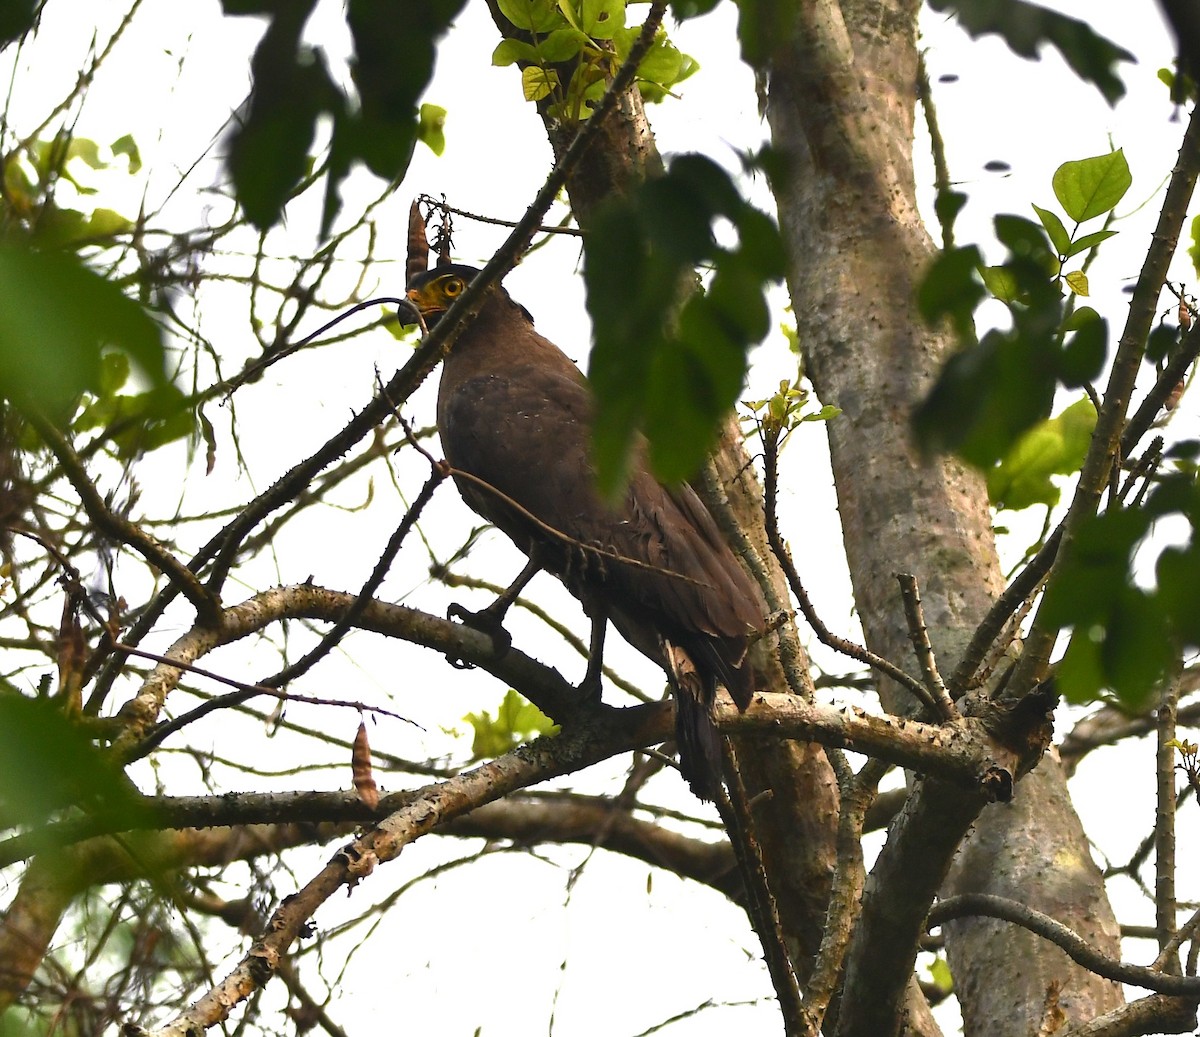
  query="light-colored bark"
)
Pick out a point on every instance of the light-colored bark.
point(842, 96)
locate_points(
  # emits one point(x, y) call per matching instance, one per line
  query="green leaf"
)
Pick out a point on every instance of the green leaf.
point(106, 223)
point(986, 396)
point(826, 413)
point(139, 423)
point(947, 205)
point(114, 373)
point(1025, 27)
point(16, 19)
point(431, 124)
point(1080, 317)
point(509, 52)
point(74, 316)
point(86, 150)
point(684, 9)
point(1081, 671)
point(561, 45)
point(48, 764)
point(127, 146)
point(951, 288)
point(939, 973)
point(1090, 578)
point(1059, 237)
point(268, 152)
point(662, 63)
point(1024, 239)
point(1134, 654)
point(1090, 187)
point(59, 228)
point(599, 19)
point(516, 721)
point(761, 25)
point(1178, 573)
point(1163, 341)
point(537, 82)
point(1194, 248)
point(1001, 282)
point(532, 15)
point(1087, 241)
point(665, 361)
point(1083, 354)
point(1056, 446)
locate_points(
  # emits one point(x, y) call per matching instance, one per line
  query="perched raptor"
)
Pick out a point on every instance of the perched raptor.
point(514, 412)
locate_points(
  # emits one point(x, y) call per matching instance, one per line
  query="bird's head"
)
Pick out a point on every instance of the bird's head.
point(433, 292)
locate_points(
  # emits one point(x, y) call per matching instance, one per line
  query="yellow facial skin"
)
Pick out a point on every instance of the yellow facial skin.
point(436, 297)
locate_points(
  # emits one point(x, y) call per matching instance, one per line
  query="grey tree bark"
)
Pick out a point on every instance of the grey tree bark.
point(841, 109)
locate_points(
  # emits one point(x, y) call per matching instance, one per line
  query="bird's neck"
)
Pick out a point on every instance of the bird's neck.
point(501, 336)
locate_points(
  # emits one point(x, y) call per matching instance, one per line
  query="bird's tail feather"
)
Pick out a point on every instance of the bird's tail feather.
point(699, 741)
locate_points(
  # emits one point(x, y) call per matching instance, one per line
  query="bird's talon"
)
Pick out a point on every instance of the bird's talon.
point(485, 622)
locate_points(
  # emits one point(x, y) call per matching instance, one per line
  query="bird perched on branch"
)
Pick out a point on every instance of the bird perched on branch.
point(514, 416)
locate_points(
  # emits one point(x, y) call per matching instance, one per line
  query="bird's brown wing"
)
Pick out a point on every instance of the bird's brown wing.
point(525, 431)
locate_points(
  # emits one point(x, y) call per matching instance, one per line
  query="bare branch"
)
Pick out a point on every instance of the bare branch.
point(430, 807)
point(918, 633)
point(783, 556)
point(122, 530)
point(1078, 949)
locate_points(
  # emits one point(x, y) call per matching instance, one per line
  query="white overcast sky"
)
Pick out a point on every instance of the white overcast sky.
point(486, 945)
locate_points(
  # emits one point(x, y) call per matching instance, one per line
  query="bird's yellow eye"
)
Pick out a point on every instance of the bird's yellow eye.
point(452, 287)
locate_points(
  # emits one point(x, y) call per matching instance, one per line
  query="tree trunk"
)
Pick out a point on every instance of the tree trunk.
point(842, 99)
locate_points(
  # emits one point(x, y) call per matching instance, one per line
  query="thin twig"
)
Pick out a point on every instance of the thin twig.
point(937, 147)
point(918, 633)
point(244, 693)
point(495, 221)
point(1170, 951)
point(1164, 819)
point(107, 522)
point(845, 895)
point(341, 626)
point(783, 556)
point(760, 902)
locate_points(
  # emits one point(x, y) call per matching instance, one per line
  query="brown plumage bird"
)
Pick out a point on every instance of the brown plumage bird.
point(515, 413)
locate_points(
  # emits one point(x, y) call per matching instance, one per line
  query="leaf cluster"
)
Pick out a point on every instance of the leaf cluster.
point(394, 49)
point(49, 763)
point(65, 330)
point(992, 391)
point(572, 48)
point(669, 358)
point(1127, 635)
point(30, 210)
point(70, 335)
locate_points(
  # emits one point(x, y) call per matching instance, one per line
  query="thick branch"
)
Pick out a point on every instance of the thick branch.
point(1156, 1014)
point(904, 881)
point(430, 807)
